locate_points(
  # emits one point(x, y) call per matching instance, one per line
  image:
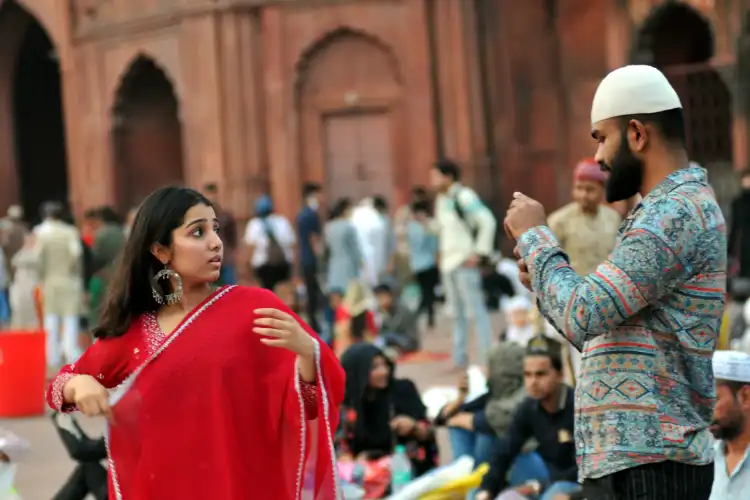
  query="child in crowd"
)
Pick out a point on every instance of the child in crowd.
point(398, 323)
point(520, 328)
point(353, 319)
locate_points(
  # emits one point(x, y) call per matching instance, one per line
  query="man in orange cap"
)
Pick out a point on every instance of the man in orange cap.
point(585, 228)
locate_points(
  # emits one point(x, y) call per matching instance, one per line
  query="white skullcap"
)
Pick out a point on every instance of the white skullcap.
point(517, 303)
point(732, 366)
point(633, 90)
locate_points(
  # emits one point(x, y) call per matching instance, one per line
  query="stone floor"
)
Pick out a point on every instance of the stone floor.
point(47, 465)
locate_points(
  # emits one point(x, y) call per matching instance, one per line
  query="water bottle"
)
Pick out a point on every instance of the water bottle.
point(400, 469)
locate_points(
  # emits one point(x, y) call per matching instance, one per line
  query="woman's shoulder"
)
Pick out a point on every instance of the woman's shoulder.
point(252, 297)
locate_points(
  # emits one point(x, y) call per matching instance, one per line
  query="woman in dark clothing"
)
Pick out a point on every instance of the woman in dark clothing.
point(380, 411)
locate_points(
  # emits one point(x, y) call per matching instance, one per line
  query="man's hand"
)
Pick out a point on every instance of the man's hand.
point(526, 490)
point(463, 385)
point(523, 214)
point(462, 420)
point(482, 495)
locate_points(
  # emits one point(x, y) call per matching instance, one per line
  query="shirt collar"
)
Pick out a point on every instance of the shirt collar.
point(672, 182)
point(720, 450)
point(562, 400)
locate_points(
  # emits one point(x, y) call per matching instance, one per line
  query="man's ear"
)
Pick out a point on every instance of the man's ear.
point(162, 253)
point(743, 396)
point(638, 135)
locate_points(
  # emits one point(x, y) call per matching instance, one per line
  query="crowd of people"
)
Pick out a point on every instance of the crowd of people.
point(605, 383)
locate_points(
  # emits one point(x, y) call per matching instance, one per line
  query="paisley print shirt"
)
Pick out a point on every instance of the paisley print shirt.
point(647, 323)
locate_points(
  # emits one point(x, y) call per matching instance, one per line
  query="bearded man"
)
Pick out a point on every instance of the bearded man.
point(731, 425)
point(647, 320)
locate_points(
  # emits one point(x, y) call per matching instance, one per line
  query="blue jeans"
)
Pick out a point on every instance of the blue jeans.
point(477, 445)
point(4, 307)
point(463, 289)
point(531, 466)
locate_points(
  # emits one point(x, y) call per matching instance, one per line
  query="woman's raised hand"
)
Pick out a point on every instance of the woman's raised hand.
point(284, 331)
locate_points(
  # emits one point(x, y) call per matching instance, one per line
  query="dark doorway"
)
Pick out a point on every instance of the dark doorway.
point(41, 157)
point(146, 132)
point(679, 41)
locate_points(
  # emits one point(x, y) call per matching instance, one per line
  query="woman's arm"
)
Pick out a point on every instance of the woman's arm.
point(105, 360)
point(319, 375)
point(408, 403)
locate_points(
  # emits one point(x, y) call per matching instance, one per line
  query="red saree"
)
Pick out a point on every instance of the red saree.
point(211, 412)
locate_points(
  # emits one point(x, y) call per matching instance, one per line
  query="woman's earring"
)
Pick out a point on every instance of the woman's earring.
point(169, 298)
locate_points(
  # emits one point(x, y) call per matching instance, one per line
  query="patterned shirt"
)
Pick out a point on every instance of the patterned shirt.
point(647, 322)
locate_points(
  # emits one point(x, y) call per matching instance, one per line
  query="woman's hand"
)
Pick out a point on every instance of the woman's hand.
point(284, 331)
point(403, 425)
point(89, 396)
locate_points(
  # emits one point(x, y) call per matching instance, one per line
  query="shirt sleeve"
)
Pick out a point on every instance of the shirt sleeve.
point(251, 232)
point(105, 360)
point(651, 258)
point(482, 218)
point(287, 231)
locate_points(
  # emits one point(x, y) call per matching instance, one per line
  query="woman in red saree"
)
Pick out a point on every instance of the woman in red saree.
point(222, 394)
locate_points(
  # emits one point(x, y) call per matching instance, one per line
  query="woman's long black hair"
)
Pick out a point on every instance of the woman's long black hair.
point(129, 292)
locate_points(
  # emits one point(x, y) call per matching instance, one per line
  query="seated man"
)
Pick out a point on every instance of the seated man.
point(547, 416)
point(398, 323)
point(473, 426)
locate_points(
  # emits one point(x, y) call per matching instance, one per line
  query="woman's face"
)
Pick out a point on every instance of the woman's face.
point(196, 250)
point(380, 373)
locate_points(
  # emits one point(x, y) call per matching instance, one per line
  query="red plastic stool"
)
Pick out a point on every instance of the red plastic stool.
point(23, 370)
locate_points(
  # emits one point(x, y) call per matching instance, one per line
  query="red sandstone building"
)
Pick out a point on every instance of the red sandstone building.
point(103, 100)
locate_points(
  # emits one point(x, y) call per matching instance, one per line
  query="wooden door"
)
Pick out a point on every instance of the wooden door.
point(342, 157)
point(359, 155)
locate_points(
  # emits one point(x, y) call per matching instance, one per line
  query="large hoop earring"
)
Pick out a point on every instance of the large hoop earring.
point(169, 298)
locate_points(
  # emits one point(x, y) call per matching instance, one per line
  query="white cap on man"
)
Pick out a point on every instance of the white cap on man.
point(732, 366)
point(633, 90)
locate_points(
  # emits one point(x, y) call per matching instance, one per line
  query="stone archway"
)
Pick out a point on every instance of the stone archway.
point(146, 132)
point(33, 156)
point(349, 100)
point(679, 40)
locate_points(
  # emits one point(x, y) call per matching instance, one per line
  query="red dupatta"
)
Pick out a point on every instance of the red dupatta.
point(214, 413)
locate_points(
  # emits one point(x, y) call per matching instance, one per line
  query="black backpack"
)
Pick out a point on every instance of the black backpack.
point(275, 253)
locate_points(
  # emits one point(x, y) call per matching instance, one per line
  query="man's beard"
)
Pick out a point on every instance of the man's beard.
point(729, 428)
point(625, 174)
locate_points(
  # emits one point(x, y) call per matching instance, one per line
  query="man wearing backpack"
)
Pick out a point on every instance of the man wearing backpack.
point(467, 234)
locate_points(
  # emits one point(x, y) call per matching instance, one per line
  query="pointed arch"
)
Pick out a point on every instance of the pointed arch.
point(146, 130)
point(31, 113)
point(349, 98)
point(674, 33)
point(370, 59)
point(680, 41)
